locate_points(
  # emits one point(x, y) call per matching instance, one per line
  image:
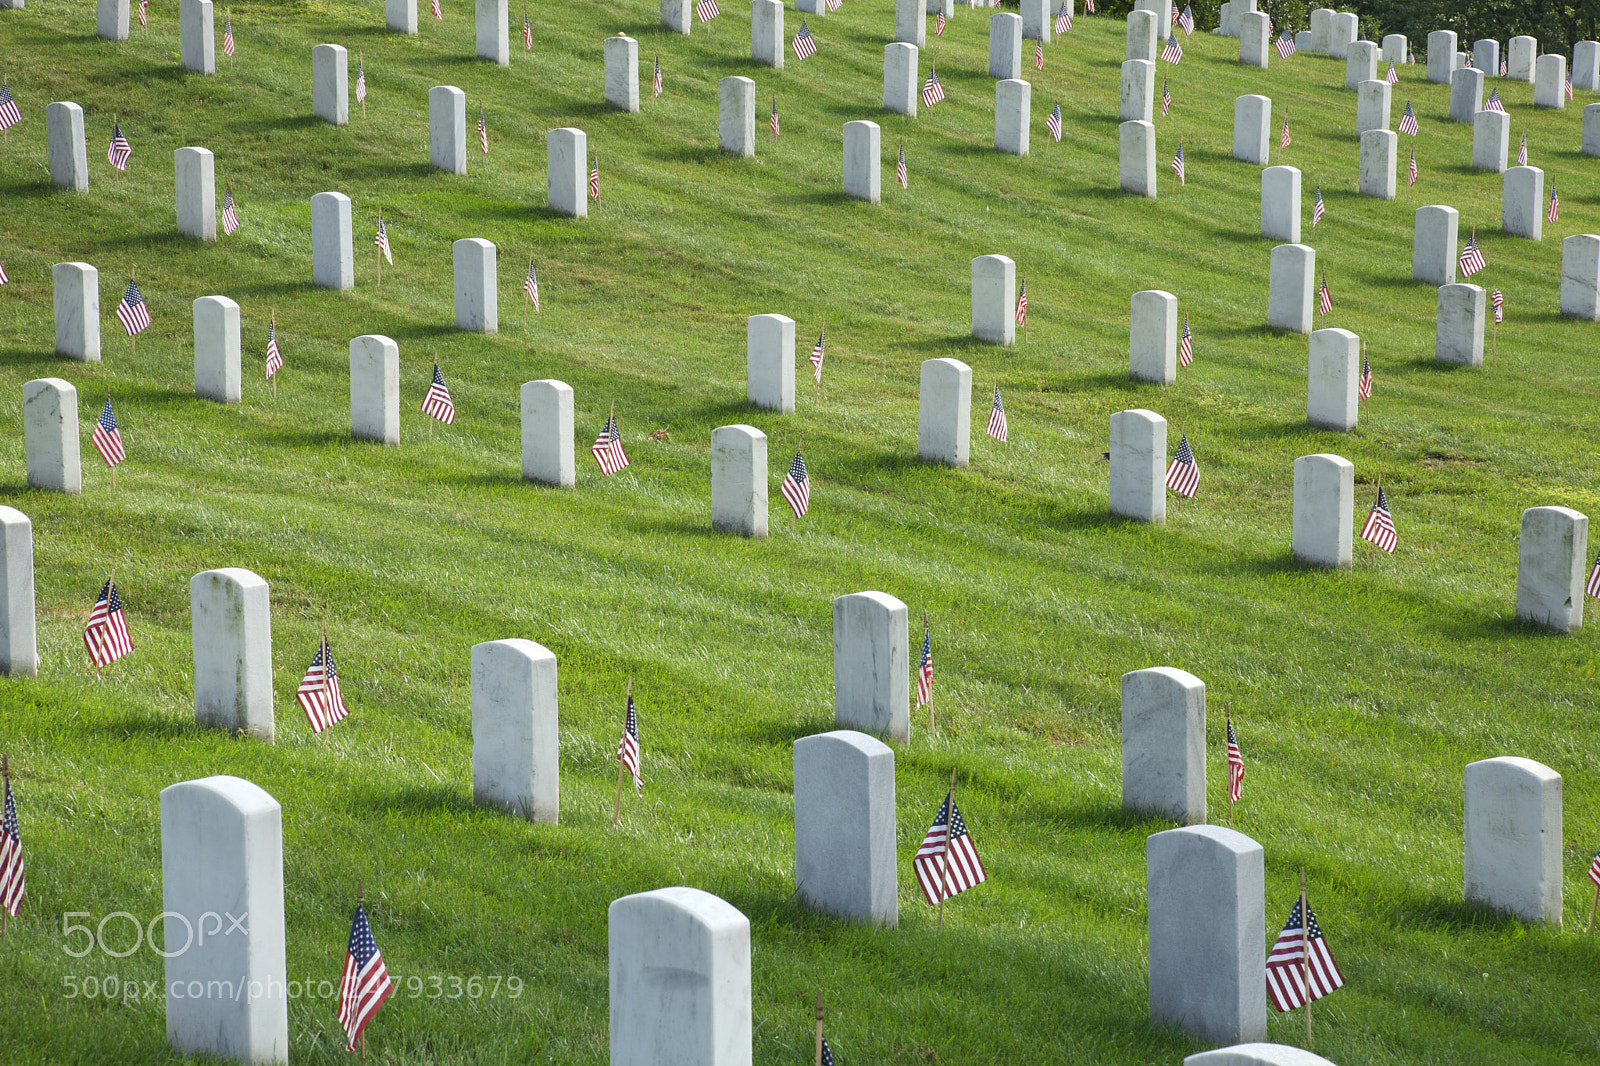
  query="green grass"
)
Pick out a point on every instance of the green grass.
point(1359, 695)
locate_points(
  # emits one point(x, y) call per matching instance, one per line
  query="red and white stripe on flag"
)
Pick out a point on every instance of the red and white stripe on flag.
point(1296, 957)
point(1594, 870)
point(105, 635)
point(365, 984)
point(925, 672)
point(1593, 587)
point(319, 694)
point(1379, 527)
point(965, 869)
point(437, 402)
point(607, 449)
point(13, 877)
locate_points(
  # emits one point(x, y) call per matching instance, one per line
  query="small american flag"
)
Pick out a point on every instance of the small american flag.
point(1186, 343)
point(319, 693)
point(1522, 152)
point(628, 746)
point(437, 13)
point(1172, 52)
point(772, 123)
point(1053, 123)
point(1593, 587)
point(365, 984)
point(1318, 208)
point(1364, 383)
point(594, 180)
point(230, 211)
point(1288, 963)
point(1089, 6)
point(1177, 165)
point(1411, 169)
point(13, 878)
point(817, 353)
point(483, 132)
point(827, 1053)
point(1594, 869)
point(1569, 88)
point(1467, 62)
point(133, 312)
point(120, 149)
point(274, 356)
point(106, 438)
point(10, 115)
point(1379, 527)
point(105, 635)
point(1235, 766)
point(932, 91)
point(1175, 13)
point(1392, 78)
point(1502, 68)
point(1063, 18)
point(530, 285)
point(227, 36)
point(527, 32)
point(804, 43)
point(4, 278)
point(1324, 297)
point(361, 80)
point(437, 401)
point(706, 10)
point(1285, 45)
point(997, 420)
point(1283, 134)
point(1471, 257)
point(834, 5)
point(1555, 206)
point(655, 85)
point(1166, 98)
point(1186, 20)
point(144, 13)
point(796, 487)
point(938, 24)
point(1022, 303)
point(1497, 301)
point(1493, 103)
point(947, 835)
point(1038, 52)
point(1183, 475)
point(607, 448)
point(925, 669)
point(1408, 121)
point(900, 169)
point(381, 241)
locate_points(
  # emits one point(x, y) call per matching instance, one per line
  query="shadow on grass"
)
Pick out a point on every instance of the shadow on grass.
point(390, 170)
point(308, 438)
point(280, 122)
point(32, 356)
point(1492, 627)
point(690, 153)
point(157, 240)
point(1089, 814)
point(31, 189)
point(147, 725)
point(280, 288)
point(1452, 913)
point(421, 800)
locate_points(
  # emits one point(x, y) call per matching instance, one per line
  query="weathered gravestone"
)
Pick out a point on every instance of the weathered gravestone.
point(1153, 337)
point(1162, 9)
point(1037, 23)
point(910, 22)
point(1591, 130)
point(217, 374)
point(69, 153)
point(1372, 106)
point(566, 153)
point(1458, 329)
point(1005, 45)
point(1302, 41)
point(1252, 129)
point(1580, 276)
point(944, 412)
point(1257, 1054)
point(994, 295)
point(871, 664)
point(516, 740)
point(1136, 158)
point(1138, 91)
point(194, 179)
point(1232, 17)
point(332, 257)
point(1441, 56)
point(736, 116)
point(766, 33)
point(1520, 54)
point(1255, 39)
point(769, 362)
point(494, 31)
point(1324, 507)
point(812, 8)
point(1466, 94)
point(1291, 284)
point(330, 83)
point(111, 19)
point(1552, 552)
point(1522, 204)
point(547, 429)
point(1396, 49)
point(477, 285)
point(677, 15)
point(1207, 932)
point(1550, 82)
point(844, 826)
point(447, 129)
point(900, 93)
point(622, 72)
point(222, 916)
point(1343, 29)
point(1280, 203)
point(230, 612)
point(400, 16)
point(50, 435)
point(1486, 57)
point(1491, 140)
point(1361, 64)
point(1378, 151)
point(1142, 33)
point(1012, 100)
point(375, 389)
point(1138, 465)
point(19, 645)
point(1511, 841)
point(739, 480)
point(198, 38)
point(862, 161)
point(77, 303)
point(1164, 744)
point(1586, 65)
point(680, 980)
point(1433, 244)
point(949, 8)
point(1333, 369)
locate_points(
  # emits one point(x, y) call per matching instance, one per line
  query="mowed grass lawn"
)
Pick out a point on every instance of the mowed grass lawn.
point(1359, 696)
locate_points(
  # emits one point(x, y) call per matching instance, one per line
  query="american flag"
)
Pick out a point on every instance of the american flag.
point(10, 115)
point(594, 179)
point(1177, 165)
point(1408, 121)
point(932, 91)
point(1467, 62)
point(796, 487)
point(1186, 343)
point(13, 879)
point(1089, 6)
point(1593, 587)
point(1493, 103)
point(1497, 301)
point(1318, 208)
point(1392, 78)
point(107, 439)
point(1022, 303)
point(227, 36)
point(1186, 20)
point(607, 449)
point(483, 132)
point(4, 278)
point(1283, 134)
point(925, 669)
point(527, 32)
point(438, 14)
point(133, 312)
point(120, 149)
point(1569, 88)
point(1324, 297)
point(437, 401)
point(105, 635)
point(1166, 98)
point(1411, 169)
point(827, 1053)
point(938, 24)
point(1175, 13)
point(365, 984)
point(1285, 44)
point(1235, 766)
point(381, 241)
point(274, 357)
point(804, 43)
point(1502, 68)
point(655, 85)
point(1379, 527)
point(706, 10)
point(834, 5)
point(1172, 52)
point(1364, 383)
point(1471, 258)
point(817, 353)
point(772, 123)
point(1288, 963)
point(628, 746)
point(1555, 206)
point(530, 285)
point(230, 212)
point(361, 80)
point(948, 834)
point(1594, 869)
point(144, 13)
point(997, 420)
point(319, 693)
point(900, 169)
point(1063, 18)
point(1522, 152)
point(1038, 52)
point(1183, 475)
point(1053, 123)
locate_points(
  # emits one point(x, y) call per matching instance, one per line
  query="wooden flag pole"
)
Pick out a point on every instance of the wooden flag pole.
point(1024, 314)
point(362, 1043)
point(133, 338)
point(5, 775)
point(819, 1028)
point(944, 865)
point(1370, 546)
point(274, 328)
point(361, 65)
point(933, 729)
point(1305, 951)
point(380, 250)
point(1593, 906)
point(431, 419)
point(113, 470)
point(616, 810)
point(801, 450)
point(326, 705)
point(1227, 718)
point(527, 298)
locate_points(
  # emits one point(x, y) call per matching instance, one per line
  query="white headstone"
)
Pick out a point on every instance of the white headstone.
point(1012, 101)
point(375, 389)
point(622, 72)
point(50, 435)
point(945, 412)
point(1138, 91)
point(111, 19)
point(994, 298)
point(736, 116)
point(1460, 61)
point(332, 257)
point(1037, 20)
point(1522, 204)
point(1586, 65)
point(1395, 49)
point(1139, 465)
point(862, 161)
point(1372, 106)
point(1511, 842)
point(1302, 41)
point(1441, 56)
point(330, 83)
point(1491, 140)
point(1520, 55)
point(1229, 22)
point(1324, 508)
point(1255, 40)
point(1291, 287)
point(1005, 45)
point(900, 88)
point(680, 980)
point(230, 612)
point(1164, 744)
point(1207, 927)
point(1378, 151)
point(400, 16)
point(739, 480)
point(516, 740)
point(194, 178)
point(871, 665)
point(1550, 82)
point(1280, 203)
point(1162, 9)
point(1153, 337)
point(1466, 94)
point(949, 7)
point(1142, 33)
point(69, 153)
point(844, 826)
point(812, 8)
point(494, 31)
point(1433, 244)
point(1361, 64)
point(1257, 1054)
point(1552, 553)
point(198, 37)
point(19, 646)
point(1580, 276)
point(547, 432)
point(1321, 29)
point(1252, 129)
point(1458, 331)
point(566, 176)
point(226, 977)
point(1591, 130)
point(77, 300)
point(769, 362)
point(1343, 29)
point(766, 33)
point(476, 284)
point(677, 15)
point(910, 22)
point(217, 375)
point(1136, 158)
point(447, 129)
point(1333, 369)
point(1486, 57)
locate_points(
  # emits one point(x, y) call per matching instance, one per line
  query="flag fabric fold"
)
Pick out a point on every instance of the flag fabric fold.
point(133, 312)
point(437, 401)
point(997, 428)
point(365, 984)
point(13, 874)
point(796, 487)
point(607, 448)
point(1183, 474)
point(628, 746)
point(948, 834)
point(1379, 527)
point(1300, 952)
point(319, 694)
point(105, 635)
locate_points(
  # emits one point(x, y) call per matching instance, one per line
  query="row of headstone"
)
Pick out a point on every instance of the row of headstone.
point(196, 31)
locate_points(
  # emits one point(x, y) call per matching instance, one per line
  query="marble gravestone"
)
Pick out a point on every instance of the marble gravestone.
point(547, 433)
point(516, 740)
point(994, 298)
point(19, 645)
point(1164, 744)
point(50, 435)
point(217, 373)
point(871, 665)
point(1138, 465)
point(1552, 557)
point(77, 308)
point(332, 255)
point(375, 389)
point(231, 620)
point(1324, 509)
point(68, 151)
point(844, 826)
point(945, 412)
point(1511, 839)
point(739, 480)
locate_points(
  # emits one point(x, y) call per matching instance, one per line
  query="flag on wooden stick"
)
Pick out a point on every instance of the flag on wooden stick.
point(13, 876)
point(1183, 473)
point(107, 438)
point(319, 695)
point(947, 863)
point(437, 401)
point(120, 150)
point(230, 212)
point(796, 487)
point(365, 984)
point(105, 635)
point(10, 114)
point(607, 448)
point(1300, 968)
point(1379, 527)
point(997, 427)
